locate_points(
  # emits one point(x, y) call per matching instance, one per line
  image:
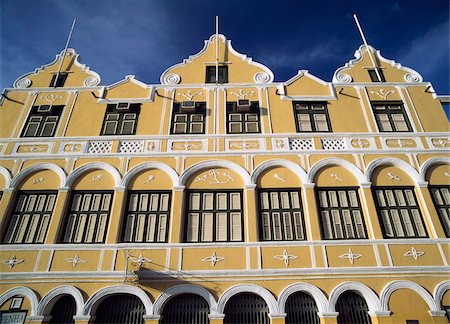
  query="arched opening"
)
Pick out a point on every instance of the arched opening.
point(63, 310)
point(352, 308)
point(120, 308)
point(246, 308)
point(185, 308)
point(301, 308)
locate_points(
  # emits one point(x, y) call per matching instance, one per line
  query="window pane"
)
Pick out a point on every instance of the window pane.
point(207, 227)
point(284, 197)
point(264, 200)
point(287, 226)
point(195, 201)
point(235, 199)
point(298, 223)
point(389, 232)
point(162, 228)
point(151, 228)
point(338, 231)
point(140, 227)
point(236, 227)
point(208, 200)
point(90, 228)
point(101, 228)
point(266, 226)
point(327, 231)
point(129, 228)
point(192, 232)
point(221, 201)
point(276, 226)
point(221, 232)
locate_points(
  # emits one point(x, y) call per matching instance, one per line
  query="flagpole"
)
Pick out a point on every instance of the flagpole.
point(367, 46)
point(64, 52)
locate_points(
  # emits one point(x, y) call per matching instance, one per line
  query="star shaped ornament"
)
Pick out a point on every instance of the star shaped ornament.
point(414, 253)
point(286, 257)
point(213, 259)
point(75, 260)
point(12, 262)
point(140, 260)
point(350, 256)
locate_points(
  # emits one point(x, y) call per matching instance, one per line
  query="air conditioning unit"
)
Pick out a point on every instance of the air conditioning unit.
point(123, 106)
point(188, 105)
point(243, 105)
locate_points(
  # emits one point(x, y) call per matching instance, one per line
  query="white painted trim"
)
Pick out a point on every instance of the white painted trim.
point(367, 293)
point(213, 164)
point(439, 291)
point(78, 172)
point(339, 162)
point(316, 293)
point(83, 67)
point(359, 56)
point(279, 163)
point(118, 289)
point(22, 291)
point(391, 161)
point(184, 289)
point(22, 175)
point(429, 163)
point(211, 42)
point(6, 175)
point(150, 165)
point(46, 303)
point(251, 288)
point(391, 287)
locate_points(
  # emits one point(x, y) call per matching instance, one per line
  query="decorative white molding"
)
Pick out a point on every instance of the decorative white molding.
point(428, 164)
point(439, 291)
point(344, 78)
point(22, 83)
point(147, 166)
point(286, 257)
point(339, 162)
point(91, 81)
point(214, 164)
point(150, 179)
point(350, 256)
point(250, 288)
point(359, 56)
point(414, 253)
point(51, 97)
point(241, 94)
point(118, 289)
point(12, 262)
point(189, 95)
point(75, 260)
point(262, 77)
point(140, 260)
point(213, 259)
point(382, 93)
point(393, 286)
point(171, 79)
point(319, 297)
point(336, 177)
point(407, 168)
point(393, 176)
point(280, 178)
point(413, 77)
point(78, 172)
point(184, 289)
point(96, 178)
point(370, 297)
point(24, 174)
point(215, 177)
point(45, 302)
point(280, 144)
point(298, 170)
point(22, 291)
point(211, 42)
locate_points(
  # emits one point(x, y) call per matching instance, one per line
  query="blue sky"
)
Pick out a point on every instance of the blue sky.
point(117, 37)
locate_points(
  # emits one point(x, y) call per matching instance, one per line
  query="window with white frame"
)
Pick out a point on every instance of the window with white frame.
point(87, 218)
point(42, 121)
point(222, 71)
point(121, 119)
point(340, 214)
point(30, 217)
point(376, 74)
point(399, 212)
point(214, 216)
point(311, 117)
point(147, 216)
point(441, 199)
point(188, 120)
point(58, 79)
point(243, 118)
point(281, 216)
point(391, 116)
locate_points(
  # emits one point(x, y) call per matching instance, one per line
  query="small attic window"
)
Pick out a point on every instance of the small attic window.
point(211, 74)
point(62, 76)
point(374, 77)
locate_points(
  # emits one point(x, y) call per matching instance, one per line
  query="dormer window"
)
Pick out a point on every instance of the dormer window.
point(60, 80)
point(211, 74)
point(374, 75)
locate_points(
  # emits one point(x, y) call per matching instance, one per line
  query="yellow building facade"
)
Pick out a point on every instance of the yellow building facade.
point(222, 196)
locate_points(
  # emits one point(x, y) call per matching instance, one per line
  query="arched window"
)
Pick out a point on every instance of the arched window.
point(440, 192)
point(301, 308)
point(245, 308)
point(185, 308)
point(120, 308)
point(352, 308)
point(63, 311)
